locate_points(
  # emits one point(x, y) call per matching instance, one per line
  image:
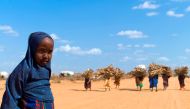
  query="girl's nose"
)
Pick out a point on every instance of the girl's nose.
point(45, 56)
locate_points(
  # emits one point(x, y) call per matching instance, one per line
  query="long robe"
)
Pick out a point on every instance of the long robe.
point(153, 81)
point(165, 80)
point(87, 83)
point(181, 79)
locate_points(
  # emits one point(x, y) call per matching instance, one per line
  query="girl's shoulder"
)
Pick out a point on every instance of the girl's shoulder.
point(21, 71)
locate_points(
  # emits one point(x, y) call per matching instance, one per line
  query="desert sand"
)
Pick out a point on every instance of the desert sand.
point(71, 95)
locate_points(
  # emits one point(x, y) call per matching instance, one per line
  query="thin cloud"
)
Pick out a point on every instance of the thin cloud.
point(146, 5)
point(123, 47)
point(65, 41)
point(137, 46)
point(174, 35)
point(149, 46)
point(188, 9)
point(78, 51)
point(139, 53)
point(163, 59)
point(174, 14)
point(8, 30)
point(150, 14)
point(182, 57)
point(129, 46)
point(94, 51)
point(126, 59)
point(133, 34)
point(141, 59)
point(187, 50)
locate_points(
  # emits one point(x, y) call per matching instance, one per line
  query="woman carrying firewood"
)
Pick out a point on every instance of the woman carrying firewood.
point(182, 74)
point(139, 83)
point(165, 78)
point(181, 79)
point(117, 81)
point(117, 76)
point(87, 79)
point(87, 83)
point(166, 74)
point(153, 82)
point(154, 71)
point(139, 73)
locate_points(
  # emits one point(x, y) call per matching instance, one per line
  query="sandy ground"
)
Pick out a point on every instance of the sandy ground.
point(71, 95)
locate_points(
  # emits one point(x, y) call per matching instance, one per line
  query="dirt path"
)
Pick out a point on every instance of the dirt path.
point(71, 95)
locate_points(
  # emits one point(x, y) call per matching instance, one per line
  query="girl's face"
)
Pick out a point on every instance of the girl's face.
point(44, 52)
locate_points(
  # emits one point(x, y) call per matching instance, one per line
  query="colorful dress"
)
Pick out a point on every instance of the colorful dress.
point(138, 81)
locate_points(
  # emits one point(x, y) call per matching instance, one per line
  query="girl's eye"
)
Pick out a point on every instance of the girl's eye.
point(50, 51)
point(42, 50)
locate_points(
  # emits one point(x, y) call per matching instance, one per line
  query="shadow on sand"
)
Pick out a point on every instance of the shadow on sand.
point(143, 90)
point(127, 89)
point(82, 90)
point(179, 89)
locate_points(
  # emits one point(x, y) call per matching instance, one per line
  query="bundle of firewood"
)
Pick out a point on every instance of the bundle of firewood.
point(107, 72)
point(118, 73)
point(138, 72)
point(154, 69)
point(167, 70)
point(88, 73)
point(181, 70)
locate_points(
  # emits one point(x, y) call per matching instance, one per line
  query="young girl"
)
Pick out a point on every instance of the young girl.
point(28, 86)
point(107, 83)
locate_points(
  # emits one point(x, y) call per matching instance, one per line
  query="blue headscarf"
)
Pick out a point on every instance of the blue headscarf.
point(28, 80)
